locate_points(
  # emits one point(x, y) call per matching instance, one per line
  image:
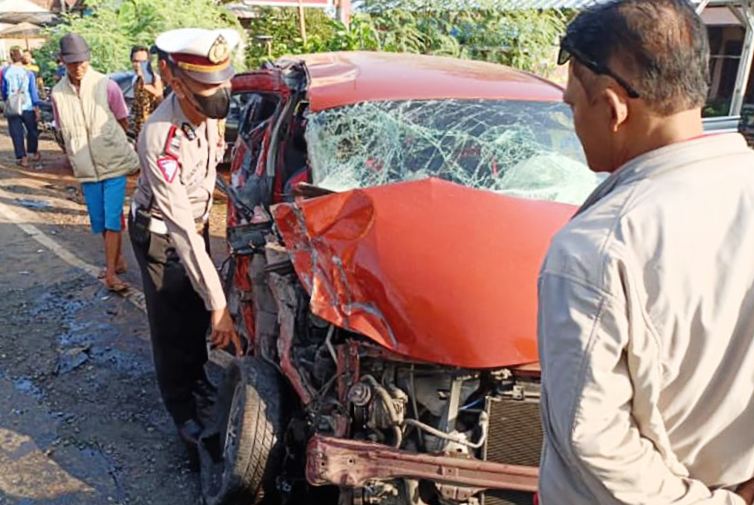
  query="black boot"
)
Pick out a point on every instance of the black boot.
point(205, 395)
point(189, 433)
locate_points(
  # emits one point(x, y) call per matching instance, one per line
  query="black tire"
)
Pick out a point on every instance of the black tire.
point(243, 455)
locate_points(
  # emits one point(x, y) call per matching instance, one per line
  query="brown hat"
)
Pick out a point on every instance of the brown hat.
point(74, 49)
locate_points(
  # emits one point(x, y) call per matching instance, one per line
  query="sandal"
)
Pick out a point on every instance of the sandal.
point(120, 270)
point(23, 163)
point(117, 287)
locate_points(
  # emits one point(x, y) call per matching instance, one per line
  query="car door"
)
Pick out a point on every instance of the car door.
point(264, 103)
point(266, 100)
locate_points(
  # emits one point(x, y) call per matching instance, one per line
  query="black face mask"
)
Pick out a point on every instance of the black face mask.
point(216, 105)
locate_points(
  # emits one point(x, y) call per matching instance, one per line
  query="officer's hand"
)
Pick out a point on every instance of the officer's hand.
point(223, 331)
point(746, 491)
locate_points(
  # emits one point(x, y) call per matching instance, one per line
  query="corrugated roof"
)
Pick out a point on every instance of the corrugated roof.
point(493, 4)
point(562, 4)
point(549, 4)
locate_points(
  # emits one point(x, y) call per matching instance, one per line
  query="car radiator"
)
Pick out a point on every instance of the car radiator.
point(515, 438)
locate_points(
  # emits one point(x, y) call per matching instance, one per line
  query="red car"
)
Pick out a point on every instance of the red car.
point(388, 217)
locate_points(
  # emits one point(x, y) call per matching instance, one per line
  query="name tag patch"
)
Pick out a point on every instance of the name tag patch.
point(169, 167)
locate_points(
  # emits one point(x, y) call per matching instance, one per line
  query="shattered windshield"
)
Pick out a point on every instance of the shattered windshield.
point(521, 148)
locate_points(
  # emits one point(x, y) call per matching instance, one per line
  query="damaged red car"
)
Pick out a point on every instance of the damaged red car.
point(388, 215)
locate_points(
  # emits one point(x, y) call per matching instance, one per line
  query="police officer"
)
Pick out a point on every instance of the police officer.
point(179, 148)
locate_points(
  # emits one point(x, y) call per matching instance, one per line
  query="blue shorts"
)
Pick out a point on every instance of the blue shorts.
point(104, 201)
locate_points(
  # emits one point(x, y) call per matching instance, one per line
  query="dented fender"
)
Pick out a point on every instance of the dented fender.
point(429, 269)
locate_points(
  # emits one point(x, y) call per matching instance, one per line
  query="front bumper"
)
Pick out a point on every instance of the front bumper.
point(352, 463)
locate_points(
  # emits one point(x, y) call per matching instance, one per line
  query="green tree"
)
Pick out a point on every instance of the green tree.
point(111, 27)
point(524, 39)
point(322, 33)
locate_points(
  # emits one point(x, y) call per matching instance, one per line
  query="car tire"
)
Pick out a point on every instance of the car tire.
point(241, 456)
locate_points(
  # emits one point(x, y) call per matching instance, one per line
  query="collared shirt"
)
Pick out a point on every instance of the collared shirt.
point(178, 173)
point(646, 333)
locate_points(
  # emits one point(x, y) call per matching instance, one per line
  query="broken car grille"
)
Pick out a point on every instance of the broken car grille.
point(515, 435)
point(515, 438)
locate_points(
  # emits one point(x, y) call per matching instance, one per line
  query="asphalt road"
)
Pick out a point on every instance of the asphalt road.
point(81, 420)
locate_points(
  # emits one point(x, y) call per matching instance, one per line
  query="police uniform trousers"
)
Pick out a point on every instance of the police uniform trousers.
point(178, 323)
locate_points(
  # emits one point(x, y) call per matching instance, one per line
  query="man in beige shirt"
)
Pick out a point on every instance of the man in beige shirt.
point(646, 298)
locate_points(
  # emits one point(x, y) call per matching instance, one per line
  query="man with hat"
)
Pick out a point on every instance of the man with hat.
point(179, 148)
point(92, 116)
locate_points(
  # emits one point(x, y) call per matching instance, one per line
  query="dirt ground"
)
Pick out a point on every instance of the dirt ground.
point(81, 421)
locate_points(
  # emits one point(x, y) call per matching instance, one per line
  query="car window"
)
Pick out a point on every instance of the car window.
point(257, 109)
point(523, 148)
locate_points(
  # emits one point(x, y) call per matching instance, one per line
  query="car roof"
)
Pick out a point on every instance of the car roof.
point(345, 78)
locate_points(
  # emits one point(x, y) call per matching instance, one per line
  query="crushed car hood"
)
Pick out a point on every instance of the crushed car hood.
point(429, 269)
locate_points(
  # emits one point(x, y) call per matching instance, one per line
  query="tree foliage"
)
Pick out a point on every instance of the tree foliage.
point(112, 27)
point(523, 39)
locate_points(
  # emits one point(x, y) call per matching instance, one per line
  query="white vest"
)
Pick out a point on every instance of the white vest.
point(96, 145)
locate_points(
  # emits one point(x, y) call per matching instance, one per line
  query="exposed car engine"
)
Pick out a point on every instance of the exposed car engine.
point(353, 389)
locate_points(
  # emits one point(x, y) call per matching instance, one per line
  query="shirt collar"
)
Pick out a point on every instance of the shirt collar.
point(178, 114)
point(667, 158)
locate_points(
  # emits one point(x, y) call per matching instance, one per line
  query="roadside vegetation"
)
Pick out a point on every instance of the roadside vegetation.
point(524, 39)
point(112, 27)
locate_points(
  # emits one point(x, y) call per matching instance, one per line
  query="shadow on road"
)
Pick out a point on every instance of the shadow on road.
point(81, 421)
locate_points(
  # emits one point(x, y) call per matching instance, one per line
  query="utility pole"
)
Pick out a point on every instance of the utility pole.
point(302, 20)
point(343, 11)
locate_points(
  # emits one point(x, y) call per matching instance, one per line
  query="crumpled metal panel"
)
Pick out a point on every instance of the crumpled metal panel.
point(429, 269)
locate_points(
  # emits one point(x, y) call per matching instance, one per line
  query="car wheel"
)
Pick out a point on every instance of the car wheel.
point(242, 456)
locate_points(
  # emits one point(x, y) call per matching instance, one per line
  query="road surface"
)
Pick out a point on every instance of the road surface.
point(81, 420)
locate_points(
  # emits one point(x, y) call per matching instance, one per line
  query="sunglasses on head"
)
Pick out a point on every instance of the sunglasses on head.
point(567, 51)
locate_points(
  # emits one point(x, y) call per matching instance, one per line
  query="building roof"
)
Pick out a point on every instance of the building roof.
point(345, 78)
point(517, 4)
point(578, 4)
point(19, 11)
point(20, 6)
point(548, 4)
point(359, 5)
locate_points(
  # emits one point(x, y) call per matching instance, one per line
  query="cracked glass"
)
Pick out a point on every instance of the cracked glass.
point(520, 148)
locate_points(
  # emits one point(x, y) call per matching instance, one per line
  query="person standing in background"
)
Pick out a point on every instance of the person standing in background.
point(148, 88)
point(28, 61)
point(92, 115)
point(17, 82)
point(31, 66)
point(59, 70)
